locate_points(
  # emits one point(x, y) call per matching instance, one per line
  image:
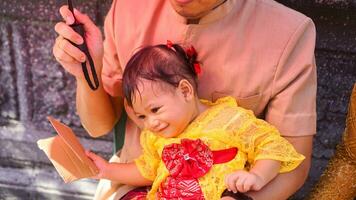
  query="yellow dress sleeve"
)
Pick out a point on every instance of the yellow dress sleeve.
point(149, 160)
point(260, 140)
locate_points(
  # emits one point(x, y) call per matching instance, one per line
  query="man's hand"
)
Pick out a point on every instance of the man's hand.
point(69, 56)
point(97, 120)
point(243, 181)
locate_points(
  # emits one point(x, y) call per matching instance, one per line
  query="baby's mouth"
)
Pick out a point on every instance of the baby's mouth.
point(161, 129)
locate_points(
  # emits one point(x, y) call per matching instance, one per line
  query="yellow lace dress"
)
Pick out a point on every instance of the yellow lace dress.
point(222, 126)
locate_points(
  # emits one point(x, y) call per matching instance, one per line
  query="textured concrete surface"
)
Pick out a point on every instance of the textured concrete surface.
point(334, 4)
point(335, 22)
point(35, 86)
point(8, 99)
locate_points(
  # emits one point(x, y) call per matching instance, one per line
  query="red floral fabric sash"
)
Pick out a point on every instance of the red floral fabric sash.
point(186, 162)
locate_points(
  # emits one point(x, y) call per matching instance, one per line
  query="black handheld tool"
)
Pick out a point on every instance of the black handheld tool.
point(79, 28)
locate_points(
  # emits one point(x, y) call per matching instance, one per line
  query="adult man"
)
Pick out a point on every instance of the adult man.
point(258, 51)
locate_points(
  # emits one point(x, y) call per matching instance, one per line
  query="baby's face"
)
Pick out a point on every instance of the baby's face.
point(163, 109)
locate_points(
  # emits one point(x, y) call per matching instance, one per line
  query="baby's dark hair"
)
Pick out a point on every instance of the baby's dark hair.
point(169, 64)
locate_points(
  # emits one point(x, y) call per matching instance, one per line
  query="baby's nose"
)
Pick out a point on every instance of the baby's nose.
point(154, 124)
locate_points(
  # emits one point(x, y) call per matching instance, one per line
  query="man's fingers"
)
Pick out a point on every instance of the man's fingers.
point(89, 25)
point(61, 56)
point(67, 32)
point(63, 50)
point(70, 64)
point(66, 14)
point(71, 50)
point(79, 17)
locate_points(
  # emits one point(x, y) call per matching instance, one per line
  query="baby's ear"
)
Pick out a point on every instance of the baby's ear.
point(186, 89)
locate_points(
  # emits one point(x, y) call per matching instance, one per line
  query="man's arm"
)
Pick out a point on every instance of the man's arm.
point(96, 109)
point(99, 110)
point(292, 110)
point(286, 184)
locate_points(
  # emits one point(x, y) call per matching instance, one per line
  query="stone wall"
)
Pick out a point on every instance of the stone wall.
point(335, 22)
point(35, 86)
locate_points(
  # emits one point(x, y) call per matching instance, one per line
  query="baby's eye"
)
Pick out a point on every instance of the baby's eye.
point(154, 110)
point(141, 117)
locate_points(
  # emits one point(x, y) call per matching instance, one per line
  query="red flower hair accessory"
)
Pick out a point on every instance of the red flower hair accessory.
point(197, 68)
point(169, 44)
point(192, 54)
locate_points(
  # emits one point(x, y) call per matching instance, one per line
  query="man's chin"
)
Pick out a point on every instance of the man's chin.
point(182, 2)
point(189, 15)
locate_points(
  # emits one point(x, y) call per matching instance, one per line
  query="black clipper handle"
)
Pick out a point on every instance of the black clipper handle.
point(79, 28)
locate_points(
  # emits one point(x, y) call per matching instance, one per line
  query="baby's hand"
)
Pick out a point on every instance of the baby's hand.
point(243, 181)
point(100, 163)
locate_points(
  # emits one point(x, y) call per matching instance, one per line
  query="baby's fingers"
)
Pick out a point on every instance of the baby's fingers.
point(92, 155)
point(230, 181)
point(240, 183)
point(247, 185)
